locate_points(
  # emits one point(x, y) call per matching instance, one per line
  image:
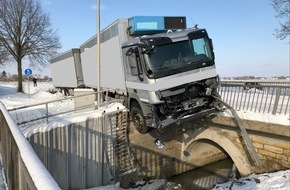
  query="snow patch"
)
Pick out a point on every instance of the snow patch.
point(263, 117)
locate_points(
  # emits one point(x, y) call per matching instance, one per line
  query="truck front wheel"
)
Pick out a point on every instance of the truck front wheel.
point(138, 118)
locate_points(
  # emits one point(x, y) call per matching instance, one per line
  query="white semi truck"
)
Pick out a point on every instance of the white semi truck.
point(164, 72)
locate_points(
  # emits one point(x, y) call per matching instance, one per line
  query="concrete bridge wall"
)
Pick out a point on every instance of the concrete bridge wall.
point(271, 141)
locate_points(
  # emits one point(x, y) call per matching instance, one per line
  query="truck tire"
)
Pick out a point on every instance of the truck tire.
point(138, 118)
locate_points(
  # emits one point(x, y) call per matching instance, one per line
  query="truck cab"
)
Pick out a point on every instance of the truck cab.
point(170, 77)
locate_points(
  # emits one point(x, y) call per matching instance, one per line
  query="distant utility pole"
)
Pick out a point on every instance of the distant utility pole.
point(99, 51)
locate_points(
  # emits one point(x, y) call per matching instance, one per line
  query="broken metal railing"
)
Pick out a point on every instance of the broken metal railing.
point(245, 135)
point(257, 97)
point(46, 114)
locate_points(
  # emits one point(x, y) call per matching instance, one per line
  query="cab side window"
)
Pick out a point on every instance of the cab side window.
point(133, 64)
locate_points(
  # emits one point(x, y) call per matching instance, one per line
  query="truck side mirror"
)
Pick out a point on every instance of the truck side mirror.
point(211, 46)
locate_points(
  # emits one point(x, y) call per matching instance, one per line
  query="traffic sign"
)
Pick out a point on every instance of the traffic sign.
point(28, 72)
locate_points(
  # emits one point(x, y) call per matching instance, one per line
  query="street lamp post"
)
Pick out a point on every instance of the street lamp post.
point(99, 51)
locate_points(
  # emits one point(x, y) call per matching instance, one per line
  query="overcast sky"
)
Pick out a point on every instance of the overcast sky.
point(242, 30)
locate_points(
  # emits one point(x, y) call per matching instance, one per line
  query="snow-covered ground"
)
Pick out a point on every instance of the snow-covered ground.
point(268, 181)
point(263, 117)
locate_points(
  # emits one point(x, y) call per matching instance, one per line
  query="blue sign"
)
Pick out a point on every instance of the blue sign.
point(28, 72)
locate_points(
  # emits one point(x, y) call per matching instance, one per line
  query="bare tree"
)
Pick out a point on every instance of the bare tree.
point(3, 54)
point(25, 32)
point(282, 9)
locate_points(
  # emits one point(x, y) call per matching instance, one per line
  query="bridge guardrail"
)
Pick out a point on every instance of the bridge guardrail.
point(257, 97)
point(91, 139)
point(41, 113)
point(260, 82)
point(22, 167)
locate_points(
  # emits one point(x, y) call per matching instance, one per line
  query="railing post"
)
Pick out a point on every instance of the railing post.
point(278, 93)
point(103, 145)
point(46, 107)
point(107, 101)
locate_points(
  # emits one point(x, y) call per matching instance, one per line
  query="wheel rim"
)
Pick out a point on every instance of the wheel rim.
point(138, 121)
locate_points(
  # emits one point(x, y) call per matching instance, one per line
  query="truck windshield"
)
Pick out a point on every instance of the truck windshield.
point(173, 58)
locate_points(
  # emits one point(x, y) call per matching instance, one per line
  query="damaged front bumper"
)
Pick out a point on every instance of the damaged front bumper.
point(182, 118)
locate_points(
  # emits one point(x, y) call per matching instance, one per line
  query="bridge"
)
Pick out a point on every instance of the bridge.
point(208, 140)
point(97, 149)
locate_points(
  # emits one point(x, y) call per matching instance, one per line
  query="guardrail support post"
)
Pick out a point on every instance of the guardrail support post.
point(46, 107)
point(107, 94)
point(278, 93)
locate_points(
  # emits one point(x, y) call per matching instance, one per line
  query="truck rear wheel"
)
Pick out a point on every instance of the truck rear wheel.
point(138, 118)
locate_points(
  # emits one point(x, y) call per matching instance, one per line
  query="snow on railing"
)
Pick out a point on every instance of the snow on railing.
point(24, 168)
point(41, 112)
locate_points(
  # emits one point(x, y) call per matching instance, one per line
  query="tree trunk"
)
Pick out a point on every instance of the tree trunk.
point(19, 69)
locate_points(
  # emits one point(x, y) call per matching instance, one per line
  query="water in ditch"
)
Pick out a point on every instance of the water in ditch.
point(205, 177)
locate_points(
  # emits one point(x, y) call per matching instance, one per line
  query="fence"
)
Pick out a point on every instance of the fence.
point(41, 112)
point(22, 167)
point(258, 82)
point(79, 155)
point(257, 97)
point(86, 154)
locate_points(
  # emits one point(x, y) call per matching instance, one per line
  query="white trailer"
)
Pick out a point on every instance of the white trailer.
point(165, 72)
point(112, 72)
point(66, 70)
